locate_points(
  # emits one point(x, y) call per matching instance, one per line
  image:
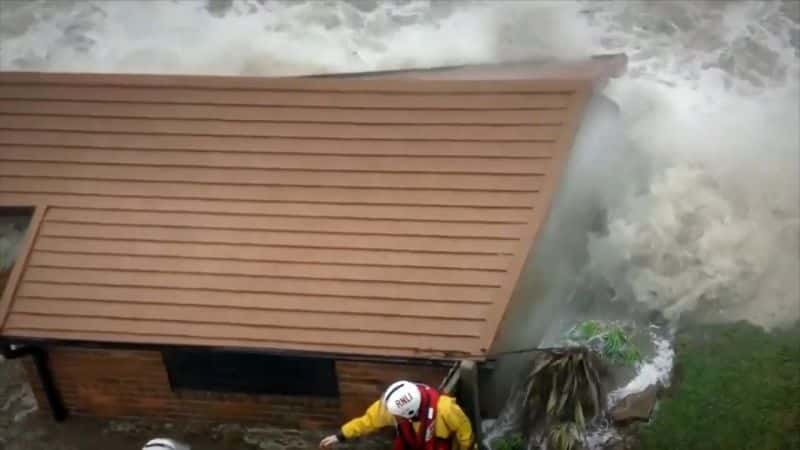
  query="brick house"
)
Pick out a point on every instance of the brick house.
point(273, 250)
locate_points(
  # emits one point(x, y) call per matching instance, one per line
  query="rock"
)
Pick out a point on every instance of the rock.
point(635, 407)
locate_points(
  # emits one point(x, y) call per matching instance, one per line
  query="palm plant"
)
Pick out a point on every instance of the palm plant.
point(562, 394)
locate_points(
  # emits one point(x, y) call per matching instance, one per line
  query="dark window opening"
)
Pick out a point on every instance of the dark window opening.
point(252, 373)
point(14, 222)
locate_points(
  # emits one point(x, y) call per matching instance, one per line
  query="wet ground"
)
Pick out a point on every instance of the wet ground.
point(24, 427)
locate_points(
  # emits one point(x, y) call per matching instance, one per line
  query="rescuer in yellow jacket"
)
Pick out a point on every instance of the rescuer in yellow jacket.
point(423, 418)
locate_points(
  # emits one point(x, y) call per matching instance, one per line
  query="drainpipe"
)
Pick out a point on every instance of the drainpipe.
point(470, 396)
point(39, 356)
point(462, 382)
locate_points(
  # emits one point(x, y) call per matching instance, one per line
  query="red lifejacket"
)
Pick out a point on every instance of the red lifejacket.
point(425, 438)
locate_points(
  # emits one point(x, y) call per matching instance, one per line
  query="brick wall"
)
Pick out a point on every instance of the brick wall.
point(132, 383)
point(126, 383)
point(361, 383)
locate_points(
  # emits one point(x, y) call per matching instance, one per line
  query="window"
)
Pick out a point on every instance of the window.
point(253, 373)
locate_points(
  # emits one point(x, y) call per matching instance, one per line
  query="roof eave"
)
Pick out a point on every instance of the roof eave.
point(597, 69)
point(420, 359)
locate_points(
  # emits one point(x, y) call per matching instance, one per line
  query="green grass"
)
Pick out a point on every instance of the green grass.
point(737, 388)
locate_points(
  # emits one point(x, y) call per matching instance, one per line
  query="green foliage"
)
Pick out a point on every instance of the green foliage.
point(565, 436)
point(514, 442)
point(562, 394)
point(618, 349)
point(589, 329)
point(611, 341)
point(738, 387)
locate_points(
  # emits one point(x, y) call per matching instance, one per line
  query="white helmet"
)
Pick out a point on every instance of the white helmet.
point(164, 444)
point(403, 399)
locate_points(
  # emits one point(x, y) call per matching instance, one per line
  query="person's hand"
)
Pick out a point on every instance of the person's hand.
point(329, 441)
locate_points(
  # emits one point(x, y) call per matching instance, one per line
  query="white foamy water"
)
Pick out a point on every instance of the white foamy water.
point(656, 370)
point(276, 37)
point(711, 102)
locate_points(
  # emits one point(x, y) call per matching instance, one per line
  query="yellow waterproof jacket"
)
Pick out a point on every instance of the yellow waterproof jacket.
point(450, 422)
